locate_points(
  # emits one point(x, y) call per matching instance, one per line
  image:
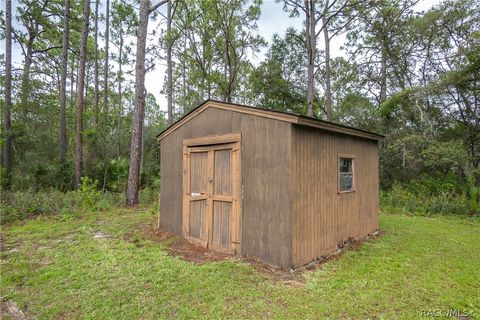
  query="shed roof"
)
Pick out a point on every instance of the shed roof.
point(272, 114)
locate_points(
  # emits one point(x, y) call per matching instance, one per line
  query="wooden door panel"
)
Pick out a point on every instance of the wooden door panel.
point(222, 200)
point(198, 173)
point(211, 196)
point(197, 220)
point(197, 228)
point(222, 217)
point(222, 173)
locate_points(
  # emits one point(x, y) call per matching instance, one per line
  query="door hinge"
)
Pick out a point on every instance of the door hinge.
point(242, 191)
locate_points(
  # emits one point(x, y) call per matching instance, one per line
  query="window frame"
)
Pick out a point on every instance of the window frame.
point(345, 156)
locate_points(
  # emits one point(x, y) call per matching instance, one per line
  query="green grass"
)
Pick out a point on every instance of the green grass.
point(57, 269)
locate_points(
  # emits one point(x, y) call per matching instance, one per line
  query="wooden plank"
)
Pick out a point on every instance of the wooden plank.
point(186, 191)
point(181, 122)
point(216, 139)
point(198, 174)
point(221, 226)
point(322, 217)
point(196, 217)
point(216, 187)
point(266, 207)
point(338, 129)
point(223, 198)
point(256, 111)
point(263, 167)
point(223, 220)
point(269, 114)
point(223, 173)
point(209, 211)
point(195, 198)
point(200, 149)
point(236, 199)
point(171, 182)
point(211, 122)
point(293, 192)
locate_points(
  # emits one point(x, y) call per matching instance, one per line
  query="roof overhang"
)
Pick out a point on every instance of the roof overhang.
point(271, 114)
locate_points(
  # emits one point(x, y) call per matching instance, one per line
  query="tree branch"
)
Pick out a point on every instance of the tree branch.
point(155, 7)
point(47, 49)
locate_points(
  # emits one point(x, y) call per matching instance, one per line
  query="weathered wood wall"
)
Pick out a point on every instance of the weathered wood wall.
point(321, 216)
point(266, 175)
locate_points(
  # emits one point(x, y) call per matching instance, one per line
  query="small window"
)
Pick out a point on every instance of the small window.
point(345, 174)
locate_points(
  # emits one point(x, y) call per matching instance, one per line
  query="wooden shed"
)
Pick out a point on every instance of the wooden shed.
point(285, 188)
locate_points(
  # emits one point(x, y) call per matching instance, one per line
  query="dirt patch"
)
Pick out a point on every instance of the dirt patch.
point(274, 273)
point(150, 232)
point(147, 231)
point(199, 255)
point(10, 308)
point(7, 249)
point(100, 235)
point(193, 253)
point(179, 247)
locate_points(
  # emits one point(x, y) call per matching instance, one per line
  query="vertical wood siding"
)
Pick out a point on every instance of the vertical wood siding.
point(322, 217)
point(197, 214)
point(222, 172)
point(266, 176)
point(221, 223)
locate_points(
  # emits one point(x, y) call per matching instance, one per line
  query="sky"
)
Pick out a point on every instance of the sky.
point(273, 19)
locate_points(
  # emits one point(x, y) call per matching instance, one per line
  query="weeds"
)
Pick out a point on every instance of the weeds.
point(22, 205)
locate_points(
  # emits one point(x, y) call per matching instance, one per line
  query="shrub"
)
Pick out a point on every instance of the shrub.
point(148, 196)
point(473, 196)
point(421, 199)
point(117, 171)
point(89, 193)
point(21, 205)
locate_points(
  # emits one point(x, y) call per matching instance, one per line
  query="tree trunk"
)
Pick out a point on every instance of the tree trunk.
point(139, 110)
point(63, 85)
point(73, 74)
point(227, 69)
point(169, 64)
point(105, 74)
point(120, 94)
point(80, 95)
point(184, 80)
point(383, 76)
point(142, 154)
point(311, 49)
point(328, 71)
point(7, 121)
point(24, 91)
point(96, 98)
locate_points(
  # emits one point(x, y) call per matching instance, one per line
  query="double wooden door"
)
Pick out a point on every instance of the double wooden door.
point(211, 196)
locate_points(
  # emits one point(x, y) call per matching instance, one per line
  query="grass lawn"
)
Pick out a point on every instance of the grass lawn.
point(85, 268)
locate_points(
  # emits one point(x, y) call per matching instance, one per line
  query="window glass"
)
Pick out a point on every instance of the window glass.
point(346, 174)
point(345, 165)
